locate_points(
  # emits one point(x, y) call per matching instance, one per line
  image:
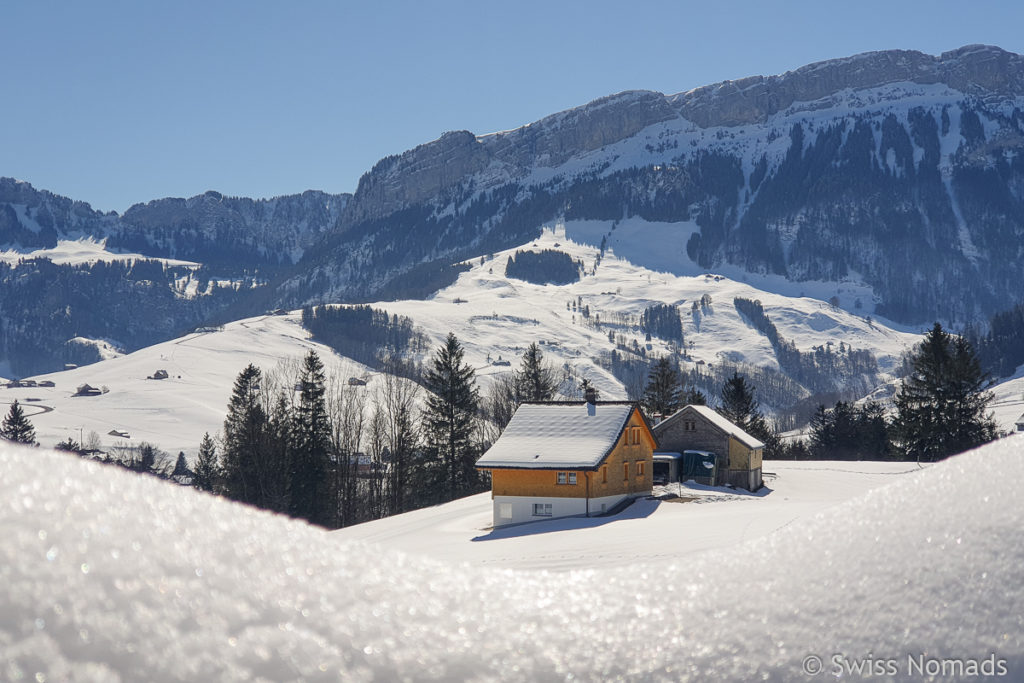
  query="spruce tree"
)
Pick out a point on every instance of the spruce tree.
point(738, 402)
point(451, 408)
point(181, 467)
point(663, 394)
point(942, 406)
point(207, 470)
point(311, 446)
point(16, 426)
point(694, 397)
point(278, 457)
point(535, 380)
point(245, 429)
point(742, 409)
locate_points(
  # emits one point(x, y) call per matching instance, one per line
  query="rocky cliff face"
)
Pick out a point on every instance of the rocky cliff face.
point(432, 169)
point(976, 70)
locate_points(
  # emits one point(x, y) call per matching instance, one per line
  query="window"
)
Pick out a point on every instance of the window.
point(542, 509)
point(566, 478)
point(505, 510)
point(572, 478)
point(632, 436)
point(561, 477)
point(625, 470)
point(689, 426)
point(604, 474)
point(639, 468)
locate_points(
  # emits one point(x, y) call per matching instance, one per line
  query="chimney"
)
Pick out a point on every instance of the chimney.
point(591, 396)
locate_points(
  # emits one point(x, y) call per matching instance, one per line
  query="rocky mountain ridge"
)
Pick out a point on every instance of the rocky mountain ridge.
point(429, 169)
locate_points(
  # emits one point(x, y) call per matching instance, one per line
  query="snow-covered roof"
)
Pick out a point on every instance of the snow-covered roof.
point(722, 423)
point(558, 435)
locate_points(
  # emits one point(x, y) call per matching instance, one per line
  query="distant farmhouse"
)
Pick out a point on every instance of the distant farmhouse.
point(565, 459)
point(700, 429)
point(87, 390)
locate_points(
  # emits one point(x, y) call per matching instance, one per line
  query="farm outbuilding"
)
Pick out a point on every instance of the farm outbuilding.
point(701, 429)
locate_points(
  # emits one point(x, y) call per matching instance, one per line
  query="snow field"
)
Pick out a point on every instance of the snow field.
point(649, 531)
point(107, 576)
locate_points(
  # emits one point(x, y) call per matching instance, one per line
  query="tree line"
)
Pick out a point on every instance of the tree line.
point(940, 409)
point(336, 454)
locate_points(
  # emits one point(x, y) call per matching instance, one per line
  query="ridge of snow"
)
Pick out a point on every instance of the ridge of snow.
point(109, 576)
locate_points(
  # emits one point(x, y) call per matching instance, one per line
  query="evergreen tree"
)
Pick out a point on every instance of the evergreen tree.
point(741, 408)
point(694, 397)
point(942, 406)
point(16, 426)
point(311, 446)
point(738, 402)
point(181, 466)
point(451, 408)
point(535, 380)
point(207, 470)
point(278, 455)
point(245, 428)
point(663, 394)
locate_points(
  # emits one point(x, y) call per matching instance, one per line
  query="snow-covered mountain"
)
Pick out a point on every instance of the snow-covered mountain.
point(891, 183)
point(222, 232)
point(897, 170)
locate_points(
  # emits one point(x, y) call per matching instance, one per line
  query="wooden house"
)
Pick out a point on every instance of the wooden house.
point(699, 428)
point(565, 459)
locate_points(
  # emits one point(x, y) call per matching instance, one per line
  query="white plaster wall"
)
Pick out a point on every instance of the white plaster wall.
point(522, 507)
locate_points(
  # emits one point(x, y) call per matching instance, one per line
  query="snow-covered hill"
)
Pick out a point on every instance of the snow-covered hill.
point(108, 576)
point(171, 413)
point(494, 316)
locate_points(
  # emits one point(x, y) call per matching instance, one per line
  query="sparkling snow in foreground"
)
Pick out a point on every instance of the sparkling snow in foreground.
point(106, 575)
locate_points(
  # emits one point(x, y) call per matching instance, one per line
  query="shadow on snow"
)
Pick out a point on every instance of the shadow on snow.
point(639, 509)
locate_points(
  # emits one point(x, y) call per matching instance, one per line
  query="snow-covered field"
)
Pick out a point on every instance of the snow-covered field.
point(110, 576)
point(83, 251)
point(648, 531)
point(172, 413)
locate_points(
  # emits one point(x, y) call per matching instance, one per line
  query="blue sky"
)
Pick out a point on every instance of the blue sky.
point(115, 103)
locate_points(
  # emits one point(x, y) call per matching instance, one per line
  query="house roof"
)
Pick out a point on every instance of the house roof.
point(558, 436)
point(722, 423)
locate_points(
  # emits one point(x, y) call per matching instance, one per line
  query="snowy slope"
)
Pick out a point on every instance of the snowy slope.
point(172, 413)
point(112, 577)
point(85, 250)
point(649, 531)
point(498, 316)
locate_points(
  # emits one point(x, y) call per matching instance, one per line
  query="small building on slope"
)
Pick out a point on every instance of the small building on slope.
point(699, 428)
point(566, 459)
